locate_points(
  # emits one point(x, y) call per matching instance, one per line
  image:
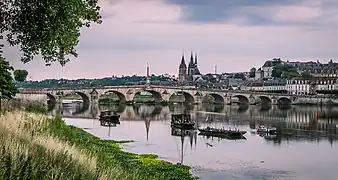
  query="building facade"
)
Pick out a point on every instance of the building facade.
point(311, 85)
point(190, 73)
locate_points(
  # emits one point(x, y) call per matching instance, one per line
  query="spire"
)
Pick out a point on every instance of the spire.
point(183, 65)
point(191, 58)
point(215, 68)
point(196, 59)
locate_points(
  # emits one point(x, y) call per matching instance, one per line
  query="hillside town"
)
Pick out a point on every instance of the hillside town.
point(275, 75)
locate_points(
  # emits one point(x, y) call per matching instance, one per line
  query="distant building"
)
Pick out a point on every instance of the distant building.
point(300, 85)
point(259, 74)
point(267, 69)
point(190, 73)
point(317, 69)
point(268, 85)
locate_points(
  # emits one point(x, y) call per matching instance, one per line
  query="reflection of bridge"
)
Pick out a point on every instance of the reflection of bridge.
point(171, 94)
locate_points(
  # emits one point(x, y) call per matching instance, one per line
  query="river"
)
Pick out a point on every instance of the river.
point(308, 152)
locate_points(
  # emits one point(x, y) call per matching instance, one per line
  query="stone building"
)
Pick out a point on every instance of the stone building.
point(188, 74)
point(317, 69)
point(300, 85)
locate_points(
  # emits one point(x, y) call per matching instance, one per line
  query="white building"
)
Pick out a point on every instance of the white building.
point(268, 86)
point(311, 85)
point(267, 69)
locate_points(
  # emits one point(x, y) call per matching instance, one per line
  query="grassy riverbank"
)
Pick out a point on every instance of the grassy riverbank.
point(35, 147)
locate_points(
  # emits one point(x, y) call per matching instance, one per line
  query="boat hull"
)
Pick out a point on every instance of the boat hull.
point(111, 119)
point(221, 133)
point(183, 125)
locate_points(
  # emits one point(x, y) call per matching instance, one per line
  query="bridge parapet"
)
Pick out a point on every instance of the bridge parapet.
point(164, 93)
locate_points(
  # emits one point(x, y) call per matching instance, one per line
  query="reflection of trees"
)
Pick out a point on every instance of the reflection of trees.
point(242, 108)
point(265, 108)
point(213, 107)
point(83, 107)
point(118, 108)
point(181, 108)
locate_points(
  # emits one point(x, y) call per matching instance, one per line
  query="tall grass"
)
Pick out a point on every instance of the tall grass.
point(27, 152)
point(35, 147)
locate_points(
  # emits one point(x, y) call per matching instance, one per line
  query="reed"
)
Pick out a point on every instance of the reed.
point(34, 146)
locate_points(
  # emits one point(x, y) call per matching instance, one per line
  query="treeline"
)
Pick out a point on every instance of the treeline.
point(108, 81)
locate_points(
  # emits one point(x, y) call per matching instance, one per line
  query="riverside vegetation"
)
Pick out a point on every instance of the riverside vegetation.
point(34, 146)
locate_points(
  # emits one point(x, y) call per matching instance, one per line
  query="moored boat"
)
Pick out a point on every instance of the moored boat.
point(263, 129)
point(221, 132)
point(182, 121)
point(109, 116)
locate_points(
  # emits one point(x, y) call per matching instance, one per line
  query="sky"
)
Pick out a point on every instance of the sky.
point(235, 35)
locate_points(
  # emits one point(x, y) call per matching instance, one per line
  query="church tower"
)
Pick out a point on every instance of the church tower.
point(182, 70)
point(191, 66)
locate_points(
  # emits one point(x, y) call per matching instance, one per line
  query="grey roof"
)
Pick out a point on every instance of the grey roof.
point(268, 64)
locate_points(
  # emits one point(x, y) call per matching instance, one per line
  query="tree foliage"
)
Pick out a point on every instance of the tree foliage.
point(306, 74)
point(20, 75)
point(50, 28)
point(284, 71)
point(7, 87)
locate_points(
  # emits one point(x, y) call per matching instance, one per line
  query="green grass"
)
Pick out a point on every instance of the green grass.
point(110, 154)
point(35, 147)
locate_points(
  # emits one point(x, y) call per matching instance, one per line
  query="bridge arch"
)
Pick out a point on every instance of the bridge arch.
point(218, 99)
point(188, 98)
point(265, 100)
point(242, 99)
point(157, 95)
point(85, 97)
point(284, 101)
point(51, 99)
point(121, 96)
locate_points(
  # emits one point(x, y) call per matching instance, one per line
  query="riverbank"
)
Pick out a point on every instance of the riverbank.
point(36, 147)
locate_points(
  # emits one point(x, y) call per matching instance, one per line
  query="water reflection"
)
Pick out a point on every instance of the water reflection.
point(303, 147)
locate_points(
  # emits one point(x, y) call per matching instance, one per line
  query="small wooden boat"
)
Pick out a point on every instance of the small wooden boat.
point(108, 124)
point(182, 121)
point(109, 116)
point(221, 132)
point(263, 129)
point(223, 136)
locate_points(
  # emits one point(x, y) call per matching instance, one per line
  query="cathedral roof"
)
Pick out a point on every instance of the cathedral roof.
point(183, 65)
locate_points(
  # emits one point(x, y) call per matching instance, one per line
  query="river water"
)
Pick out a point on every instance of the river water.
point(304, 149)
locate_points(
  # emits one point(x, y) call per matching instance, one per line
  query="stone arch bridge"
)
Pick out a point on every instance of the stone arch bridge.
point(160, 93)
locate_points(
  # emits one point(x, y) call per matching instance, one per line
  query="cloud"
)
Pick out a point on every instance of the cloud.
point(235, 35)
point(257, 12)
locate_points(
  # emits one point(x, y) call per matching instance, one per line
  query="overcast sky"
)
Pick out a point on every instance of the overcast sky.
point(234, 34)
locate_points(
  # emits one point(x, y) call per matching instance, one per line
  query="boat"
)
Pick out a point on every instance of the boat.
point(109, 116)
point(221, 132)
point(182, 121)
point(263, 129)
point(223, 136)
point(108, 124)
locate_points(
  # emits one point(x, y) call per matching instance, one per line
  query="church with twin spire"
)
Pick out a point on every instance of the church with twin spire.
point(186, 74)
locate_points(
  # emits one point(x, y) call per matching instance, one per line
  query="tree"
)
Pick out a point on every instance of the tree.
point(284, 71)
point(305, 74)
point(50, 28)
point(253, 72)
point(20, 75)
point(7, 87)
point(239, 76)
